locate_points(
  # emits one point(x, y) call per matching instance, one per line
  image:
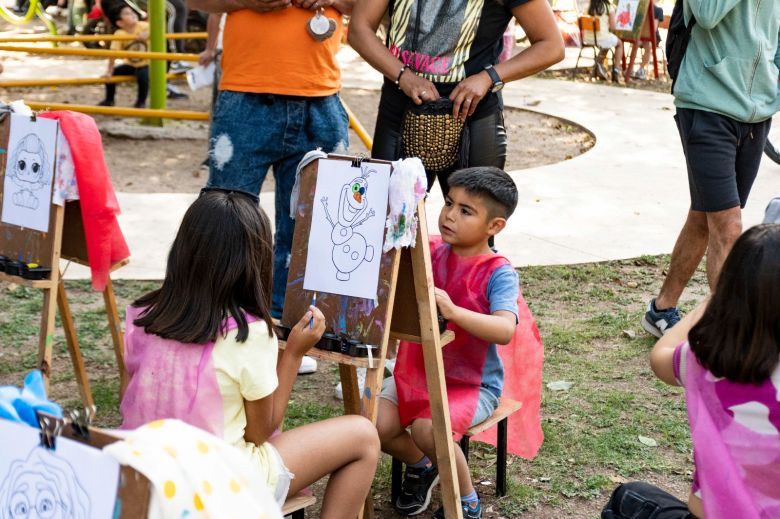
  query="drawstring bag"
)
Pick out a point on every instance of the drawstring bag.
point(431, 133)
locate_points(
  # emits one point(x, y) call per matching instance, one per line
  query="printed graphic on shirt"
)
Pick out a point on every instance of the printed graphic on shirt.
point(444, 35)
point(139, 46)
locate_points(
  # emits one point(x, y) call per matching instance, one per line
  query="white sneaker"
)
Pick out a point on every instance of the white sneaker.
point(361, 378)
point(308, 365)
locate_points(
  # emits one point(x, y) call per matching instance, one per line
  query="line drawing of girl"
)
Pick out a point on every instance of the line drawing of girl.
point(42, 486)
point(30, 169)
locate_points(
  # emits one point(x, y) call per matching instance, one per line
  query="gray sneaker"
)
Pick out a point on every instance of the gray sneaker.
point(658, 322)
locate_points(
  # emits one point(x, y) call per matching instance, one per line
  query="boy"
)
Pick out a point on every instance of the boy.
point(126, 20)
point(477, 292)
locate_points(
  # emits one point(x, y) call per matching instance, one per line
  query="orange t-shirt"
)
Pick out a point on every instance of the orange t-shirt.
point(273, 53)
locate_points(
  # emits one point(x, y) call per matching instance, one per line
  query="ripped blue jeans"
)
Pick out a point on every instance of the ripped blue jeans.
point(252, 132)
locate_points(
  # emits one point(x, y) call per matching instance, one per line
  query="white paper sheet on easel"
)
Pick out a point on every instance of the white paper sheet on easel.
point(347, 226)
point(28, 172)
point(74, 480)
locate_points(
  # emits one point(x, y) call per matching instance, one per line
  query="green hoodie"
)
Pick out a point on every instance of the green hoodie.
point(732, 61)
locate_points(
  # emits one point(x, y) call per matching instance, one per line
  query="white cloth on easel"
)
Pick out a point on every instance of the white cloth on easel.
point(408, 185)
point(305, 161)
point(65, 185)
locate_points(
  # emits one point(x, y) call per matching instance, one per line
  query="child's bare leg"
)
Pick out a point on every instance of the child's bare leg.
point(422, 434)
point(395, 440)
point(346, 447)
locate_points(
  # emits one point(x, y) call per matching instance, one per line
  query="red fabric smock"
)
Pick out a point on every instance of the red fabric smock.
point(465, 279)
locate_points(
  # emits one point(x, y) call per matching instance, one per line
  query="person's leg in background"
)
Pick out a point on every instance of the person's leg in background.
point(119, 70)
point(142, 77)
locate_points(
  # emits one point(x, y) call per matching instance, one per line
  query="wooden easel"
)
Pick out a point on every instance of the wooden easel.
point(646, 34)
point(406, 310)
point(65, 240)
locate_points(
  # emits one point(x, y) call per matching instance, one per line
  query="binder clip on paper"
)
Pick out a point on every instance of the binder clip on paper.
point(51, 426)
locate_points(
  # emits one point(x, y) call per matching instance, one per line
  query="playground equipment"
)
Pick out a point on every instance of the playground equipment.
point(34, 9)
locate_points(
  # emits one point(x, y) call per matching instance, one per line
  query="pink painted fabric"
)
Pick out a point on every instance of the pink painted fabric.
point(736, 438)
point(170, 379)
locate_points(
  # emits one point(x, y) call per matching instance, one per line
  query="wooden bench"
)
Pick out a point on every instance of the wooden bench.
point(295, 505)
point(505, 409)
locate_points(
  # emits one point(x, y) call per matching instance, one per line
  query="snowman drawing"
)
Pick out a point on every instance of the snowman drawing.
point(350, 248)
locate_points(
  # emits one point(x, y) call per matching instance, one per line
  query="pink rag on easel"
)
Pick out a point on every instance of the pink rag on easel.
point(105, 243)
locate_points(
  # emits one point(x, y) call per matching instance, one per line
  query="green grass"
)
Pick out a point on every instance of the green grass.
point(591, 431)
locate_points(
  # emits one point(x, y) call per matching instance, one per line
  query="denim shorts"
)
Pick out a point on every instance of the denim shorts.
point(486, 405)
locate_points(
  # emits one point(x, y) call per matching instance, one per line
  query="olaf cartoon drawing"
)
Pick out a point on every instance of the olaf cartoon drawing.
point(350, 248)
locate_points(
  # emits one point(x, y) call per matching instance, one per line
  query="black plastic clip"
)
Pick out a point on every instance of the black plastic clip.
point(50, 429)
point(81, 419)
point(358, 160)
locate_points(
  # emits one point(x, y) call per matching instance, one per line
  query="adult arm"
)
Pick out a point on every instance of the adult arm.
point(662, 356)
point(228, 6)
point(212, 33)
point(538, 21)
point(709, 13)
point(366, 17)
point(264, 416)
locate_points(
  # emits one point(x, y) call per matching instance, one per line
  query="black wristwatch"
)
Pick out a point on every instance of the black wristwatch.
point(497, 83)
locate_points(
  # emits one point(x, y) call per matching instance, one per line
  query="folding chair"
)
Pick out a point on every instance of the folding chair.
point(593, 24)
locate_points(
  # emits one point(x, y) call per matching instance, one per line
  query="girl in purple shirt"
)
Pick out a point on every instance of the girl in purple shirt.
point(725, 354)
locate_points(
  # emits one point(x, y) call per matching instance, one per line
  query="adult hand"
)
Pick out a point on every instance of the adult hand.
point(302, 336)
point(266, 6)
point(206, 57)
point(313, 4)
point(417, 88)
point(469, 93)
point(447, 308)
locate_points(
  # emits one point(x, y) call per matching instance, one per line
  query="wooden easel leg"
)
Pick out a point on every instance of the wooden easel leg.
point(46, 341)
point(630, 68)
point(73, 346)
point(434, 370)
point(350, 389)
point(115, 327)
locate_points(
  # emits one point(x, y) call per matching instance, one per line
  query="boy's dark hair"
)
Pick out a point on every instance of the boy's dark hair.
point(738, 336)
point(220, 265)
point(494, 185)
point(115, 12)
point(599, 7)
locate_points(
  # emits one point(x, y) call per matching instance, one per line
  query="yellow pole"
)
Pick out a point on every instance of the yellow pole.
point(43, 38)
point(28, 83)
point(100, 53)
point(121, 111)
point(359, 129)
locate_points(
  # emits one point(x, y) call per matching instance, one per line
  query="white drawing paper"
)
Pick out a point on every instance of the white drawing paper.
point(347, 228)
point(625, 15)
point(74, 480)
point(28, 172)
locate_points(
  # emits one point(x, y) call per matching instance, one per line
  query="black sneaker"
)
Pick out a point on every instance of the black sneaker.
point(468, 512)
point(416, 490)
point(658, 322)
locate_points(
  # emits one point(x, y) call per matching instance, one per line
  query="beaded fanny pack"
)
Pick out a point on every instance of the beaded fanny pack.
point(430, 132)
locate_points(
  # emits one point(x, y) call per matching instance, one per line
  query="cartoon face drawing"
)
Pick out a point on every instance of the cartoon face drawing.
point(350, 248)
point(353, 200)
point(42, 487)
point(30, 170)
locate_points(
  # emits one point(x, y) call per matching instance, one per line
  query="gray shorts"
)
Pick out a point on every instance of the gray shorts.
point(486, 405)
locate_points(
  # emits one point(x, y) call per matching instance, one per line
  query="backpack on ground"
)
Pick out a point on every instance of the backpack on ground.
point(677, 40)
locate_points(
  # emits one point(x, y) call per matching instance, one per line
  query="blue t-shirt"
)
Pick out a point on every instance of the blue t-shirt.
point(502, 291)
